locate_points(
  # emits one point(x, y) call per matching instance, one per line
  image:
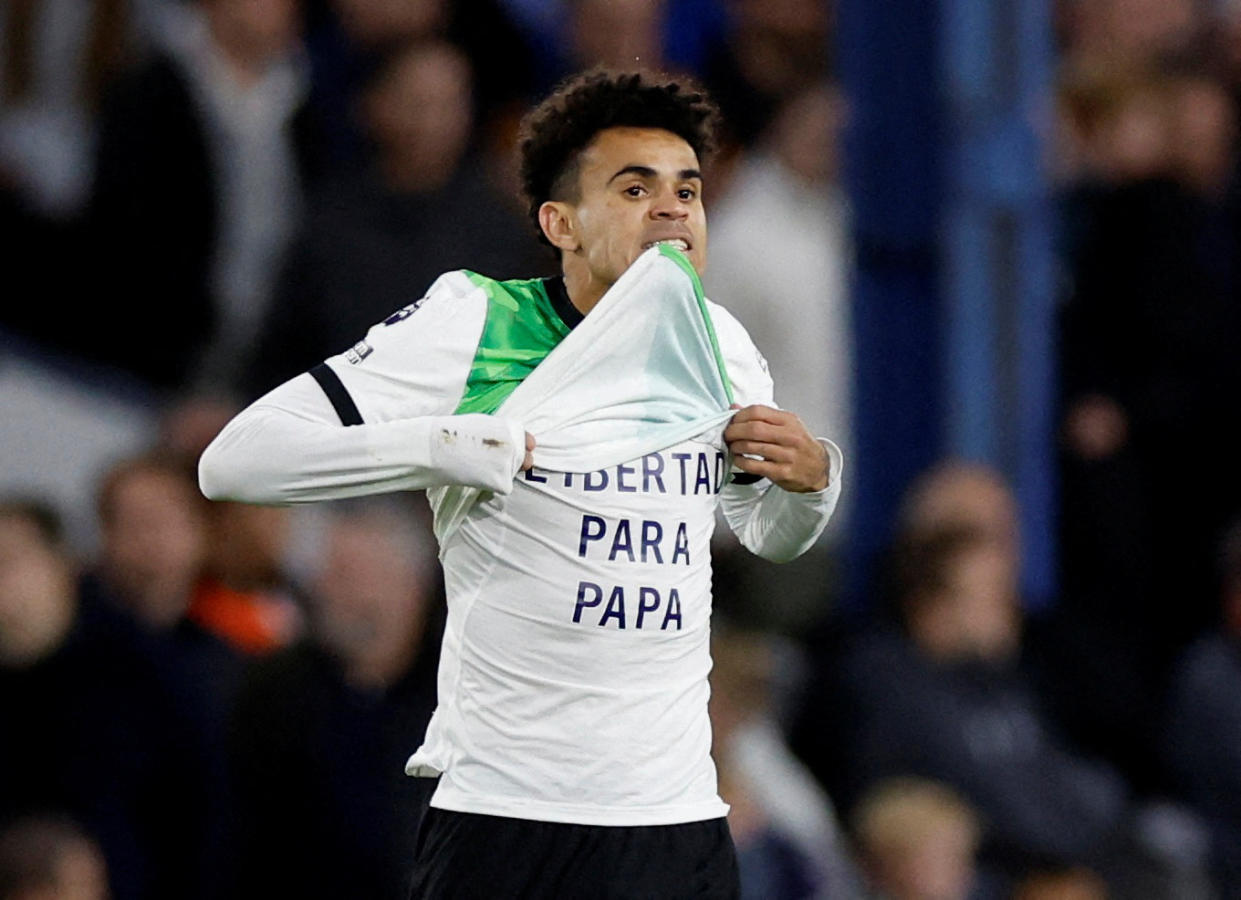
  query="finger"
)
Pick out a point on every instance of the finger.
point(788, 476)
point(762, 467)
point(759, 412)
point(529, 441)
point(760, 430)
point(771, 452)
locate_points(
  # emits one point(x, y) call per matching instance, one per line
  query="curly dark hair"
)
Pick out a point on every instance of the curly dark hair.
point(555, 132)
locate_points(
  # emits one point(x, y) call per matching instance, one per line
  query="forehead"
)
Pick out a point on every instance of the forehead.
point(614, 148)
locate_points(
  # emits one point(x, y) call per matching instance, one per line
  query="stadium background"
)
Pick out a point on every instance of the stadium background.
point(987, 245)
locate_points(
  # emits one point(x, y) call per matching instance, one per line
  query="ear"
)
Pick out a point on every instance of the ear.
point(559, 225)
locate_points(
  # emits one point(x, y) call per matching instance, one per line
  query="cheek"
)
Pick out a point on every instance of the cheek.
point(607, 243)
point(698, 256)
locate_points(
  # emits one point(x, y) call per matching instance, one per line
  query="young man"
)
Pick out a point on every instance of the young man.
point(572, 739)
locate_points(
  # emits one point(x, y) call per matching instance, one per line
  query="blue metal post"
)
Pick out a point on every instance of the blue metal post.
point(893, 171)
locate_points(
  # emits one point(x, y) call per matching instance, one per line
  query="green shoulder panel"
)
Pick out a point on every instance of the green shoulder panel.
point(521, 328)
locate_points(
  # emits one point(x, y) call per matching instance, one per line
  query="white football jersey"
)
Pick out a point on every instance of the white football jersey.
point(573, 679)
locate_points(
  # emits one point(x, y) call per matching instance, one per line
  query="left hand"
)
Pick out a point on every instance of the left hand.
point(791, 458)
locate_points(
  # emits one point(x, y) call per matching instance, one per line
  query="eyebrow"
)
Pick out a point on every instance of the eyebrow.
point(648, 172)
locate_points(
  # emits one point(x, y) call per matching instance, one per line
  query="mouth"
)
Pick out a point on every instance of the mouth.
point(679, 243)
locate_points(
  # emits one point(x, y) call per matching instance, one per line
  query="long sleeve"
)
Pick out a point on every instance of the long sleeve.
point(398, 389)
point(780, 525)
point(289, 447)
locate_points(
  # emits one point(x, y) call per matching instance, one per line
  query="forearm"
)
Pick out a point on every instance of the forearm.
point(286, 448)
point(781, 525)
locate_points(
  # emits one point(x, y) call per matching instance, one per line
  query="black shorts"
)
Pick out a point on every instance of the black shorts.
point(463, 856)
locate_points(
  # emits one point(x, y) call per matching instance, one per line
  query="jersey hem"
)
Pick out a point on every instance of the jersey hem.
point(520, 808)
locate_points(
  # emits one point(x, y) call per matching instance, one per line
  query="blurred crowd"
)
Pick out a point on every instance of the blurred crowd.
point(202, 198)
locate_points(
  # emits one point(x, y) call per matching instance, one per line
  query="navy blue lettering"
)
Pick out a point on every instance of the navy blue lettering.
point(615, 608)
point(652, 467)
point(568, 479)
point(622, 541)
point(530, 475)
point(590, 484)
point(582, 602)
point(645, 594)
point(588, 534)
point(652, 534)
point(681, 544)
point(673, 611)
point(682, 458)
point(621, 472)
point(704, 475)
point(719, 470)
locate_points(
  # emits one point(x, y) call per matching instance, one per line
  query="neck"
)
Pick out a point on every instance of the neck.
point(584, 290)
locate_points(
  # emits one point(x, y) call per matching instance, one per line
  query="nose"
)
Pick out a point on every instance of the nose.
point(667, 205)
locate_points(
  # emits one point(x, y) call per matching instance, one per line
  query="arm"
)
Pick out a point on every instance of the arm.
point(789, 480)
point(290, 447)
point(378, 418)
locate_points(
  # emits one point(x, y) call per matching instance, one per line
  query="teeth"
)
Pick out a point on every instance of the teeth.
point(671, 242)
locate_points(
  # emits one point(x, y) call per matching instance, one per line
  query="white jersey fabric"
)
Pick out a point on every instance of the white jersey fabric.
point(573, 679)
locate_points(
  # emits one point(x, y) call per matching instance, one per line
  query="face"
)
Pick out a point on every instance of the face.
point(636, 187)
point(153, 543)
point(35, 592)
point(983, 591)
point(370, 593)
point(423, 108)
point(939, 867)
point(258, 29)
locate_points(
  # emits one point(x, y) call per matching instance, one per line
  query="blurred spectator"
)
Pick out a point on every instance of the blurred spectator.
point(323, 729)
point(571, 35)
point(244, 596)
point(349, 41)
point(1148, 367)
point(1086, 673)
point(50, 859)
point(948, 697)
point(788, 842)
point(375, 242)
point(90, 729)
point(917, 840)
point(1204, 119)
point(616, 34)
point(197, 191)
point(1202, 734)
point(56, 56)
point(153, 526)
point(1130, 32)
point(153, 539)
point(958, 495)
point(771, 51)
